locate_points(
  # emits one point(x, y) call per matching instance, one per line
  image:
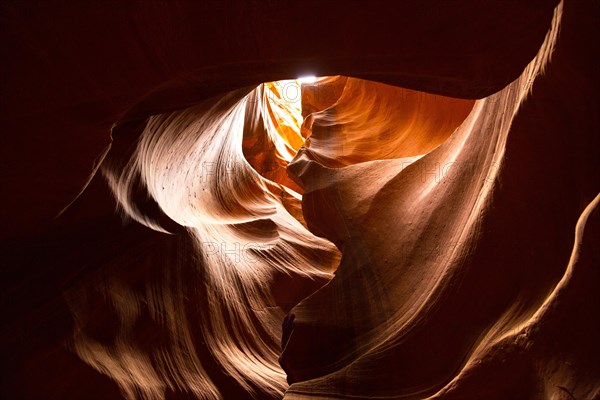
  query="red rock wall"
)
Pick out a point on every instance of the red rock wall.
point(463, 233)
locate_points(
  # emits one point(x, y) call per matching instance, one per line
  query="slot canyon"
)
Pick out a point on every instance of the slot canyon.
point(300, 200)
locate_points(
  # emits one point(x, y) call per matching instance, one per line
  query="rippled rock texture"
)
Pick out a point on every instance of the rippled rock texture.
point(421, 222)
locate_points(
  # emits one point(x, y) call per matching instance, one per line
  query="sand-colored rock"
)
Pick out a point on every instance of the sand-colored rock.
point(421, 224)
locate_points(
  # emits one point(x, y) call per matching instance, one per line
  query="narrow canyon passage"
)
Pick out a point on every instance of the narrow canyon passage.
point(418, 221)
point(220, 169)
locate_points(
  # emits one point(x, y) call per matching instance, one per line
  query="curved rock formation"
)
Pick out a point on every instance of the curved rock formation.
point(419, 223)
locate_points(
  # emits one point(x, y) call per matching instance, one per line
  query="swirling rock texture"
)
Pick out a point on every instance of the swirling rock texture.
point(422, 222)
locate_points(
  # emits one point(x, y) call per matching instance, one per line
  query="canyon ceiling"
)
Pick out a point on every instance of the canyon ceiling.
point(184, 219)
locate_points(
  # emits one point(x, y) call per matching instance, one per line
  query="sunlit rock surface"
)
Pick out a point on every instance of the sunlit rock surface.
point(421, 222)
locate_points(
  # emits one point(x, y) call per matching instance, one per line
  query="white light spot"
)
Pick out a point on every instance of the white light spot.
point(307, 79)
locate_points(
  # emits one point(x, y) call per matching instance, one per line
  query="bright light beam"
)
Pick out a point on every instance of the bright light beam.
point(307, 79)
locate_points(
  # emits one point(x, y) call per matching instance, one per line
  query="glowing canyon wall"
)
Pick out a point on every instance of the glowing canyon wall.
point(184, 220)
